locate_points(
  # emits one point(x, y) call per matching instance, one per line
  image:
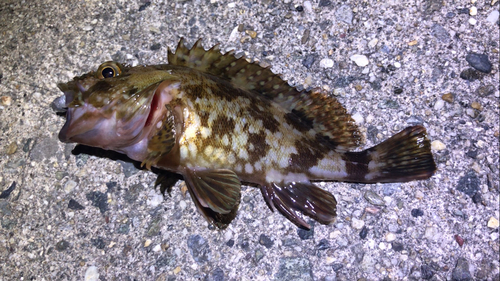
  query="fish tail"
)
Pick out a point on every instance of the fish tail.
point(404, 157)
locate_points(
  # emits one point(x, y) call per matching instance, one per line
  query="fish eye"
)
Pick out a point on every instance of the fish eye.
point(108, 70)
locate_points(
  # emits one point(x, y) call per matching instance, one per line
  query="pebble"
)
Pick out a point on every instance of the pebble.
point(461, 271)
point(485, 90)
point(305, 234)
point(439, 104)
point(374, 198)
point(360, 60)
point(493, 17)
point(473, 11)
point(397, 64)
point(417, 213)
point(265, 241)
point(199, 248)
point(469, 183)
point(358, 118)
point(440, 33)
point(373, 43)
point(432, 233)
point(493, 223)
point(74, 205)
point(437, 145)
point(469, 74)
point(364, 232)
point(419, 195)
point(472, 21)
point(448, 97)
point(308, 61)
point(479, 62)
point(326, 63)
point(308, 6)
point(357, 224)
point(154, 199)
point(476, 105)
point(459, 240)
point(389, 237)
point(147, 243)
point(5, 100)
point(344, 13)
point(92, 274)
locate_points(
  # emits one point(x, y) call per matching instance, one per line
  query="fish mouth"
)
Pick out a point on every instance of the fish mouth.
point(116, 125)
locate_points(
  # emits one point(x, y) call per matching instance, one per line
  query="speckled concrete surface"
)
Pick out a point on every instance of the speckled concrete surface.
point(69, 216)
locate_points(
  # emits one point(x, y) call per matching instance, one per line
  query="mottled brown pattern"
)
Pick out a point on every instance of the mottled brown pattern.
point(260, 147)
point(308, 154)
point(356, 164)
point(223, 125)
point(267, 117)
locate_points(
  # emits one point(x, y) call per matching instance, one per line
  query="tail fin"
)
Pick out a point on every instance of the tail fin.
point(404, 157)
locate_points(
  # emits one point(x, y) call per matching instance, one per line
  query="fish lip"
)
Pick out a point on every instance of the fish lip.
point(63, 133)
point(61, 105)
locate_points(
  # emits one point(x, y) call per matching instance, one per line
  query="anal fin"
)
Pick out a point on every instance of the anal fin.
point(216, 193)
point(293, 199)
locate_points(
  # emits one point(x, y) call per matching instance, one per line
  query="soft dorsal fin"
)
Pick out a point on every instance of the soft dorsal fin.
point(314, 108)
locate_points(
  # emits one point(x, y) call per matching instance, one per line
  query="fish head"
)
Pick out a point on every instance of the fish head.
point(113, 107)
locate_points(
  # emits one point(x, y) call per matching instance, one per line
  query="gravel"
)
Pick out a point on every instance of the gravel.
point(74, 213)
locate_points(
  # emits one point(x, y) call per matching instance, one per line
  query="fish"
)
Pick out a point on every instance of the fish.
point(221, 121)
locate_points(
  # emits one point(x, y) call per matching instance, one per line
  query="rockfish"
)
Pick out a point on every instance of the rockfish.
point(221, 121)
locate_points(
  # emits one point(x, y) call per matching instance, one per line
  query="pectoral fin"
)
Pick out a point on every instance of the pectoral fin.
point(216, 193)
point(293, 199)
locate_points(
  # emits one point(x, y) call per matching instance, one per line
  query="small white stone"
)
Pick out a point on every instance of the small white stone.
point(382, 246)
point(307, 6)
point(389, 237)
point(373, 43)
point(231, 5)
point(358, 118)
point(419, 195)
point(493, 17)
point(473, 11)
point(473, 1)
point(234, 34)
point(432, 233)
point(182, 204)
point(326, 63)
point(357, 224)
point(157, 248)
point(494, 236)
point(439, 104)
point(493, 223)
point(147, 243)
point(472, 21)
point(360, 60)
point(92, 274)
point(154, 199)
point(397, 64)
point(437, 145)
point(69, 186)
point(87, 28)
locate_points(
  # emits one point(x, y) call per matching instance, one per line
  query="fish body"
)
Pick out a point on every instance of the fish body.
point(220, 121)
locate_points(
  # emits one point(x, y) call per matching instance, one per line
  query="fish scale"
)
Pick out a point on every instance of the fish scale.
point(220, 121)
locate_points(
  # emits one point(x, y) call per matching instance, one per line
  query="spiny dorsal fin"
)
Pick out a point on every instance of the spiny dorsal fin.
point(326, 115)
